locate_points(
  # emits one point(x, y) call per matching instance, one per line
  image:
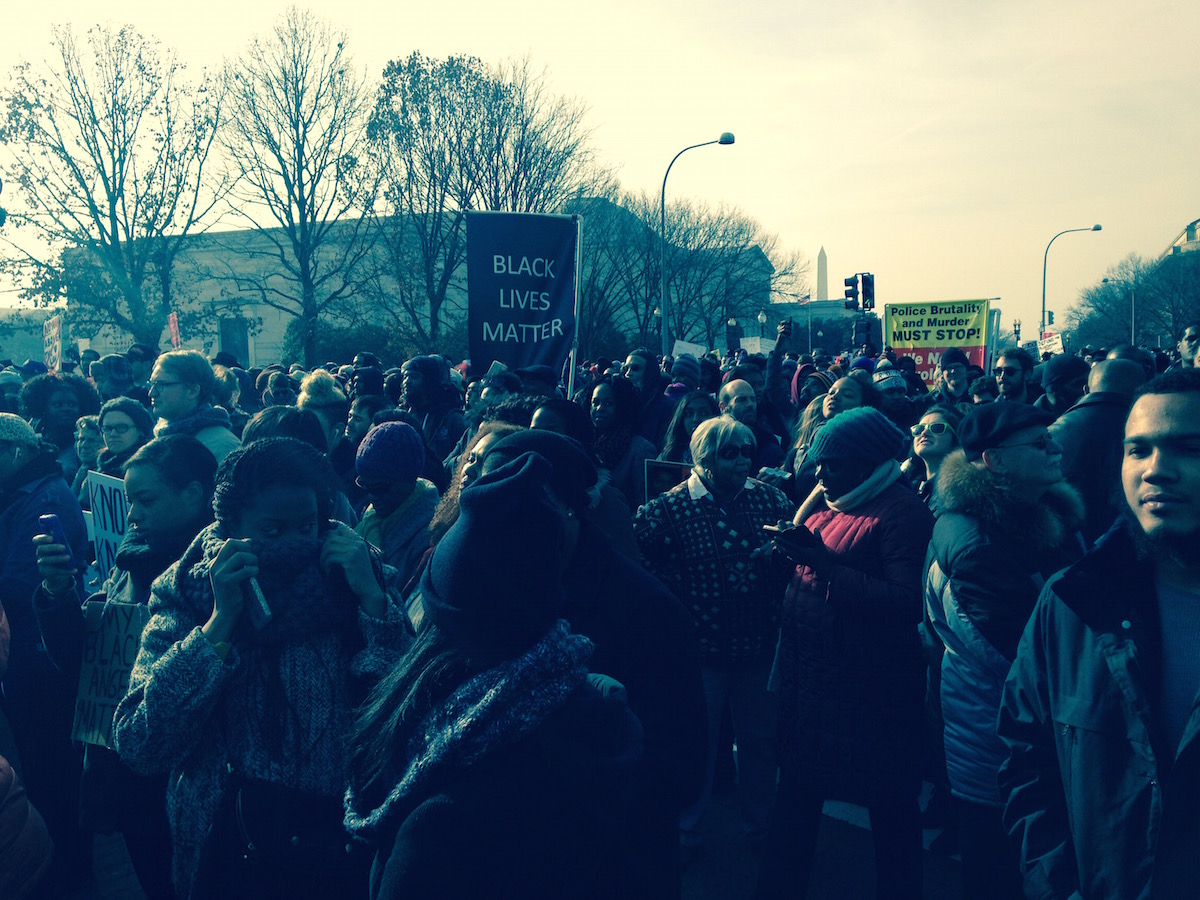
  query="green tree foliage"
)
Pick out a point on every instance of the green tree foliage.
point(108, 148)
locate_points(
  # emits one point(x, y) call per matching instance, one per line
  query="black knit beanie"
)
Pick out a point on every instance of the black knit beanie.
point(494, 579)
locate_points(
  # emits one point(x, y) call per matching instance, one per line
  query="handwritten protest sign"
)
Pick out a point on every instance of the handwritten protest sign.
point(108, 518)
point(925, 331)
point(682, 347)
point(52, 343)
point(114, 631)
point(1051, 343)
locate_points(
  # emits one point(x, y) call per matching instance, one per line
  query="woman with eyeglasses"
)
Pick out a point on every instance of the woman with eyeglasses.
point(704, 539)
point(182, 389)
point(126, 425)
point(933, 439)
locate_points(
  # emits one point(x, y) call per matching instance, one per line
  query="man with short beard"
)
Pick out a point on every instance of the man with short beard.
point(1103, 774)
point(1014, 370)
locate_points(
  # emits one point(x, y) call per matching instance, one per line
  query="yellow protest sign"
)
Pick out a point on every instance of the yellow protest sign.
point(925, 331)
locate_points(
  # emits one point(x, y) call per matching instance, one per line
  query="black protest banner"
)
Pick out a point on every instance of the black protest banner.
point(520, 288)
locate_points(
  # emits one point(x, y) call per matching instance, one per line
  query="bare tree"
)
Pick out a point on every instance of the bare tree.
point(427, 130)
point(1149, 301)
point(538, 154)
point(108, 148)
point(455, 135)
point(721, 264)
point(295, 134)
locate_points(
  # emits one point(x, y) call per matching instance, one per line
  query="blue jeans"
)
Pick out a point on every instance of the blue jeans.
point(754, 711)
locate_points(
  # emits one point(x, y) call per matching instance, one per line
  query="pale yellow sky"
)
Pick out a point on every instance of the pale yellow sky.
point(937, 144)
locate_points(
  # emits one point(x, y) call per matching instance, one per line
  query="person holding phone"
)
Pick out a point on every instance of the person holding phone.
point(252, 721)
point(168, 488)
point(849, 668)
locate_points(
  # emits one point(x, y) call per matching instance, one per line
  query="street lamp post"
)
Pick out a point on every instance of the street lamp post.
point(725, 138)
point(1045, 257)
point(1017, 331)
point(762, 320)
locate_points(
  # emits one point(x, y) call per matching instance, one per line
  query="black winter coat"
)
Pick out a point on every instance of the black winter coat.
point(1097, 805)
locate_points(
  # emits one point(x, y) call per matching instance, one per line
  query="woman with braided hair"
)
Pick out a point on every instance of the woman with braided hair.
point(260, 641)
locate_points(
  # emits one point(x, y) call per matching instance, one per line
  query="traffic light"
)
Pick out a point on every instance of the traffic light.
point(868, 291)
point(1049, 317)
point(852, 292)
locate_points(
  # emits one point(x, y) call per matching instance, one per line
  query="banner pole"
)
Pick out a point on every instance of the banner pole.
point(575, 340)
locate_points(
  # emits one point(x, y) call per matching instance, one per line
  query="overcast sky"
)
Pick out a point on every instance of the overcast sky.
point(937, 144)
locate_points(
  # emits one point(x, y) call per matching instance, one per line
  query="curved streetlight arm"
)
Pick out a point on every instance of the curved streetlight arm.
point(664, 300)
point(1045, 258)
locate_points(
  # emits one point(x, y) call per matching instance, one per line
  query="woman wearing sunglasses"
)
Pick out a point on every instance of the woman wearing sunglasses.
point(933, 439)
point(704, 540)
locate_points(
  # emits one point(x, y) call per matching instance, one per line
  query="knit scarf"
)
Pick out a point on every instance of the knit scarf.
point(610, 447)
point(203, 416)
point(303, 602)
point(491, 711)
point(884, 476)
point(145, 560)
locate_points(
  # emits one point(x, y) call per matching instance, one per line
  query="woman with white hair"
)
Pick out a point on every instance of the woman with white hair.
point(704, 539)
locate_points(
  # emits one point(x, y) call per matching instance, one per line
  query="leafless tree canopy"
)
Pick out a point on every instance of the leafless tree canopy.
point(1162, 295)
point(294, 137)
point(454, 135)
point(108, 147)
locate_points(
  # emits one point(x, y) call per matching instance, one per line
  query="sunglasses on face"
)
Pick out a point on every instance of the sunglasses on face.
point(1005, 370)
point(933, 428)
point(731, 453)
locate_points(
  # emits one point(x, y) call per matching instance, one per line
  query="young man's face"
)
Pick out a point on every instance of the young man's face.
point(1189, 345)
point(1010, 377)
point(1161, 468)
point(954, 379)
point(634, 369)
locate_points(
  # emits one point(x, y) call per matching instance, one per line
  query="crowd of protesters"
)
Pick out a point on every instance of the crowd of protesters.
point(416, 631)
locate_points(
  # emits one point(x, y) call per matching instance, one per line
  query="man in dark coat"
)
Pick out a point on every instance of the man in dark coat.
point(1090, 434)
point(1102, 778)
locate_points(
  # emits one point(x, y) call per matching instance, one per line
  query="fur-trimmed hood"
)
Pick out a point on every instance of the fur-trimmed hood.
point(976, 491)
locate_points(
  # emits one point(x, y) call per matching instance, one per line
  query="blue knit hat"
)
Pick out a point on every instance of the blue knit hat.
point(860, 433)
point(390, 453)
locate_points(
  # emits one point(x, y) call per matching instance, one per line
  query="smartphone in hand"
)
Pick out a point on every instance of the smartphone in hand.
point(49, 524)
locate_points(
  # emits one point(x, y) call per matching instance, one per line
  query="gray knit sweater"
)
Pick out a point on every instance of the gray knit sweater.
point(200, 717)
